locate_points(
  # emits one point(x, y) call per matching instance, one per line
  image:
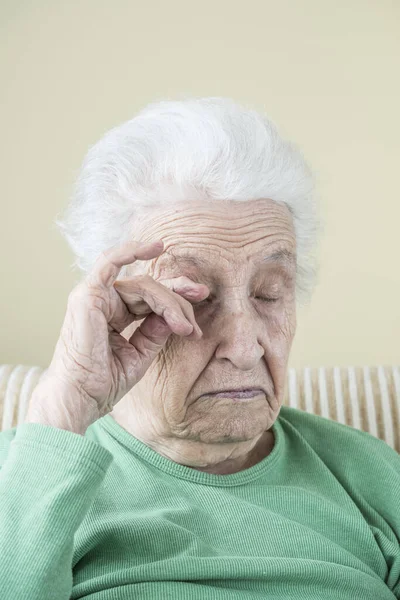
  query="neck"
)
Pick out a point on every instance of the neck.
point(219, 458)
point(261, 449)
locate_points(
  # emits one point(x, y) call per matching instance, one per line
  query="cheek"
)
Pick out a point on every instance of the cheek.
point(278, 324)
point(290, 317)
point(279, 317)
point(178, 366)
point(181, 360)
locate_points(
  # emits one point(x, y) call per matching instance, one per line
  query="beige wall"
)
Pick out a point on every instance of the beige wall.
point(326, 72)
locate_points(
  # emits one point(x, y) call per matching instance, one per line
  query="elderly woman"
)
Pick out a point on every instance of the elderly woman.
point(156, 459)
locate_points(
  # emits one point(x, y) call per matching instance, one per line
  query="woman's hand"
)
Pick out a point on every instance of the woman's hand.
point(93, 366)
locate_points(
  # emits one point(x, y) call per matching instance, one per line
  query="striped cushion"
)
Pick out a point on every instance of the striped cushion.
point(366, 398)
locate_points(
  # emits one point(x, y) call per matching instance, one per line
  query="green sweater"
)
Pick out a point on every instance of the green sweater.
point(105, 517)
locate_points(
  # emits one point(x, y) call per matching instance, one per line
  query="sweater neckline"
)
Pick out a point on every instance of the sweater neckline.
point(141, 450)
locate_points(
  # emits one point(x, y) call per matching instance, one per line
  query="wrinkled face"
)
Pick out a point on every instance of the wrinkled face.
point(246, 255)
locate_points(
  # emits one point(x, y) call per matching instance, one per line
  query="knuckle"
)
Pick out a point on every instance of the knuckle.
point(94, 301)
point(92, 282)
point(110, 250)
point(83, 294)
point(102, 257)
point(142, 278)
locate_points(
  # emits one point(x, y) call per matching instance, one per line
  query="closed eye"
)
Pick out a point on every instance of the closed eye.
point(267, 299)
point(209, 299)
point(205, 301)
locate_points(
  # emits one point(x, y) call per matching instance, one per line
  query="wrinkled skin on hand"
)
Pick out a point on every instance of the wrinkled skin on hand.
point(93, 364)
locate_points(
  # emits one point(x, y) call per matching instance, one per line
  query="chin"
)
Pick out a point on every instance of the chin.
point(224, 423)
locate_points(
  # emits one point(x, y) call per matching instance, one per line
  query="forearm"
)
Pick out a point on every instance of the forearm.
point(48, 481)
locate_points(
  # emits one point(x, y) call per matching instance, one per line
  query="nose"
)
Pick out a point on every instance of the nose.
point(238, 339)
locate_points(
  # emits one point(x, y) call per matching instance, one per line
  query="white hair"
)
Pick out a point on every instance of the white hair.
point(194, 148)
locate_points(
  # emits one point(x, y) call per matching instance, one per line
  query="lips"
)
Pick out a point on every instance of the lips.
point(238, 389)
point(237, 392)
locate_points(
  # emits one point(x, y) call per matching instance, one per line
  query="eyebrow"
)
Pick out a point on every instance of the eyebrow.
point(283, 257)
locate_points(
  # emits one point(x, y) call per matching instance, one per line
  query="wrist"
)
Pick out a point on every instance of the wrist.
point(58, 405)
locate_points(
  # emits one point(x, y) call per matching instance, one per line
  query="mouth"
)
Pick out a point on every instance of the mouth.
point(239, 394)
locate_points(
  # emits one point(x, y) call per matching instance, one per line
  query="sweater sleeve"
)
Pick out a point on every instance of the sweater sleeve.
point(377, 477)
point(49, 478)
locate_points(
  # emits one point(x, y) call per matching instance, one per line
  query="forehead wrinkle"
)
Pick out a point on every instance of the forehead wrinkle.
point(284, 258)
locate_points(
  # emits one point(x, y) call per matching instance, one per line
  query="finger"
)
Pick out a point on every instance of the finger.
point(194, 292)
point(188, 291)
point(151, 334)
point(186, 287)
point(110, 262)
point(122, 317)
point(137, 354)
point(176, 311)
point(143, 289)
